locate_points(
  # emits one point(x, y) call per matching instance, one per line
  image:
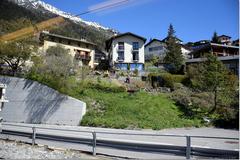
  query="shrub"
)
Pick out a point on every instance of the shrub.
point(169, 79)
point(139, 84)
point(192, 103)
point(135, 72)
point(104, 86)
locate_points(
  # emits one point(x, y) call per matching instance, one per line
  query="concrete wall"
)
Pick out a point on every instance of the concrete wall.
point(32, 102)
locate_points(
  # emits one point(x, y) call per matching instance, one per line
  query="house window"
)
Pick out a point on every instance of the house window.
point(135, 45)
point(135, 56)
point(155, 48)
point(120, 45)
point(120, 56)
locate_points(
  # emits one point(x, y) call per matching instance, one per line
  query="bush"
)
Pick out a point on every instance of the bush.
point(192, 103)
point(104, 86)
point(169, 79)
point(135, 72)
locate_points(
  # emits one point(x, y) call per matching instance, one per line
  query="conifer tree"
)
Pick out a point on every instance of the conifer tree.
point(174, 54)
point(215, 38)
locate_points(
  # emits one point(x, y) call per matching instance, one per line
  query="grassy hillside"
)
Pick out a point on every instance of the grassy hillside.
point(109, 105)
point(141, 110)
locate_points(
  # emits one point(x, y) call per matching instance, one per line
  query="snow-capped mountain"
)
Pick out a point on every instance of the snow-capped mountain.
point(44, 7)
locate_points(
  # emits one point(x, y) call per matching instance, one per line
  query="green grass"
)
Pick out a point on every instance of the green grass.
point(108, 105)
point(142, 110)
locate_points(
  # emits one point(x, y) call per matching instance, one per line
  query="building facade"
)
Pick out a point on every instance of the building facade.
point(224, 39)
point(158, 48)
point(155, 47)
point(228, 54)
point(126, 51)
point(81, 50)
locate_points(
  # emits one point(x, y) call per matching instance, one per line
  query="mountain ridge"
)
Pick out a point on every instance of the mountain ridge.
point(45, 7)
point(12, 12)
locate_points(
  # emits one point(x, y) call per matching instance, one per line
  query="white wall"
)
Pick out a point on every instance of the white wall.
point(185, 53)
point(128, 40)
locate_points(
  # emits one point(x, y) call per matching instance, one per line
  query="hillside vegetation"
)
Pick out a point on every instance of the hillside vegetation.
point(109, 105)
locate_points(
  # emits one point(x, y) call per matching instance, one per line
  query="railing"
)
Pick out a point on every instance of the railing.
point(83, 57)
point(187, 149)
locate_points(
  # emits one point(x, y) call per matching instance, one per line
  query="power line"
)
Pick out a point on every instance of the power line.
point(104, 7)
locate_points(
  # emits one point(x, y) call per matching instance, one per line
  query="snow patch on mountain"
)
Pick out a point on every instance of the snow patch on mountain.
point(36, 4)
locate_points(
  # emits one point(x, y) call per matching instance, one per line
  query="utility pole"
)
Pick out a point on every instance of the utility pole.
point(2, 101)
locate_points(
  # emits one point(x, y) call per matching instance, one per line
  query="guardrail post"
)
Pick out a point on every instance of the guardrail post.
point(33, 135)
point(188, 148)
point(94, 143)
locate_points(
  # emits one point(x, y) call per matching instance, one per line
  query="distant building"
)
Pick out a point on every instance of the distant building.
point(224, 39)
point(155, 47)
point(229, 55)
point(235, 43)
point(158, 48)
point(179, 41)
point(217, 49)
point(80, 49)
point(126, 51)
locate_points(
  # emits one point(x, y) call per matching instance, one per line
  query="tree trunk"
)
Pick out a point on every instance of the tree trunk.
point(215, 101)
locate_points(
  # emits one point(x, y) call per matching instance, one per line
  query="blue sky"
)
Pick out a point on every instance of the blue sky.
point(193, 20)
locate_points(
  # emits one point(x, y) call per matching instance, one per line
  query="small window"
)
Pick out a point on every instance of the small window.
point(121, 45)
point(121, 55)
point(135, 45)
point(135, 56)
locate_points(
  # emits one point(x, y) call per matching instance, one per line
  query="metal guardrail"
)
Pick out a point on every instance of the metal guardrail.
point(188, 147)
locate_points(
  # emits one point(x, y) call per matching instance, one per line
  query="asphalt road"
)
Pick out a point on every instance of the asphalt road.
point(120, 136)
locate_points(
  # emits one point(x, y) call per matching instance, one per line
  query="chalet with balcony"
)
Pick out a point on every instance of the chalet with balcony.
point(224, 39)
point(82, 50)
point(228, 54)
point(126, 51)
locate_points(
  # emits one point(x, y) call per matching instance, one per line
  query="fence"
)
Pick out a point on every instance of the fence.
point(188, 149)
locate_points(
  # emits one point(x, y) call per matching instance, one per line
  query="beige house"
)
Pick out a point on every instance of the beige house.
point(80, 49)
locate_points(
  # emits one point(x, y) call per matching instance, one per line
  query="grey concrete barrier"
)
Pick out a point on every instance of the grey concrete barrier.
point(32, 102)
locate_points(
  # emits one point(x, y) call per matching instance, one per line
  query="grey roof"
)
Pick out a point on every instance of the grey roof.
point(224, 36)
point(109, 41)
point(153, 41)
point(165, 39)
point(68, 38)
